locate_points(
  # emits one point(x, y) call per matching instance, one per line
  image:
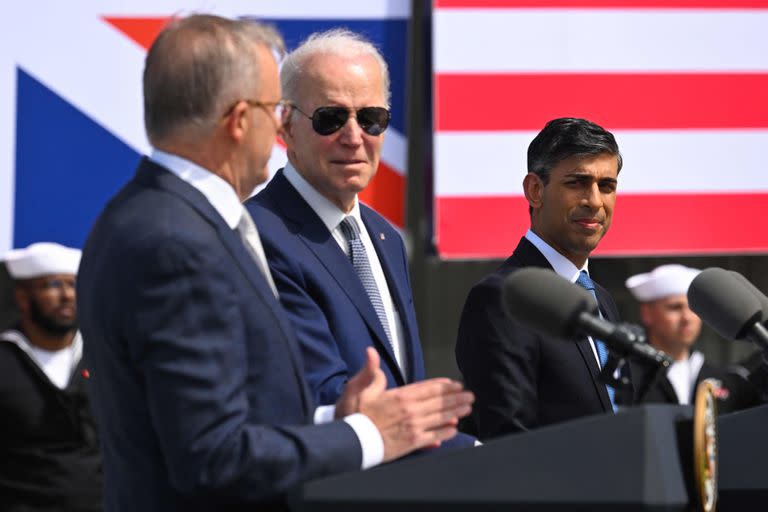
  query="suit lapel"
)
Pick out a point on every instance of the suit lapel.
point(155, 175)
point(528, 255)
point(396, 281)
point(315, 235)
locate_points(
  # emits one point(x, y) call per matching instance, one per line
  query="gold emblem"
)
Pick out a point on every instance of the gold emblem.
point(705, 443)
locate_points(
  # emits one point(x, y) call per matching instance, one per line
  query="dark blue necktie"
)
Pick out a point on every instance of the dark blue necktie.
point(602, 352)
point(359, 258)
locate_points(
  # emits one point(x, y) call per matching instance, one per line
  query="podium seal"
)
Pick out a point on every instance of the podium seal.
point(705, 443)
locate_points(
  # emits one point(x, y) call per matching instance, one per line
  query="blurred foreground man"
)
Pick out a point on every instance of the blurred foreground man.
point(198, 378)
point(49, 451)
point(340, 267)
point(522, 379)
point(671, 326)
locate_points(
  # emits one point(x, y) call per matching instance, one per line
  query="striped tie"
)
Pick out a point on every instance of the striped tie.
point(602, 352)
point(359, 259)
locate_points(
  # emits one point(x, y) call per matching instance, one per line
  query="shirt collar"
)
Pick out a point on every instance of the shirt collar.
point(562, 265)
point(219, 193)
point(328, 212)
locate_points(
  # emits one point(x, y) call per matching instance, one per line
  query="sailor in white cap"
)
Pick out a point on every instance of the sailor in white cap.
point(52, 458)
point(671, 326)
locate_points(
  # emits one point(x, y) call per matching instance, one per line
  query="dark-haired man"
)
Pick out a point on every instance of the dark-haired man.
point(521, 379)
point(49, 450)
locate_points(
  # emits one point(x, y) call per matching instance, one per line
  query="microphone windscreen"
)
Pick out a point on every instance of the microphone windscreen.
point(545, 302)
point(761, 298)
point(723, 302)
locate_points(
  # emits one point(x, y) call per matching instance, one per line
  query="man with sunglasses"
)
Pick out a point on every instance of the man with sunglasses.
point(198, 378)
point(49, 450)
point(340, 268)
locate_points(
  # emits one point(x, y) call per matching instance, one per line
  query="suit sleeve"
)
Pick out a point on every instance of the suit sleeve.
point(498, 359)
point(192, 347)
point(325, 369)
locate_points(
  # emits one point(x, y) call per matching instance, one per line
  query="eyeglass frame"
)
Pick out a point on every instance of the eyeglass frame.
point(295, 107)
point(269, 106)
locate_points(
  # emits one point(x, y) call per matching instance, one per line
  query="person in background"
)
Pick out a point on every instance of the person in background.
point(49, 449)
point(672, 327)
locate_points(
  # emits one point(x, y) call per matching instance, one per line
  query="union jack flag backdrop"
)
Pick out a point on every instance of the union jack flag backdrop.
point(683, 84)
point(71, 126)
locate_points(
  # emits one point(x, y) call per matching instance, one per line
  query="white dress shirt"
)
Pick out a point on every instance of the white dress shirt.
point(683, 374)
point(224, 200)
point(564, 268)
point(332, 216)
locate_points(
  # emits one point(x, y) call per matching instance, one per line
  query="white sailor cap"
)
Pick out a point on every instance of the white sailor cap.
point(661, 282)
point(42, 259)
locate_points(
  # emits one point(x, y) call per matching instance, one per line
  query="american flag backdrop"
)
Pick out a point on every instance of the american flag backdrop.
point(683, 84)
point(71, 125)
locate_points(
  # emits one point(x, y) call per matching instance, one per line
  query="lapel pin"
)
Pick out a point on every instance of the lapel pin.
point(381, 236)
point(85, 373)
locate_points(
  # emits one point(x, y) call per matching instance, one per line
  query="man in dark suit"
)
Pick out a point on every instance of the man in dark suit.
point(524, 380)
point(341, 269)
point(198, 381)
point(672, 327)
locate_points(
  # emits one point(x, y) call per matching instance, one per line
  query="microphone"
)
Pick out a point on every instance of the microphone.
point(761, 298)
point(550, 304)
point(729, 304)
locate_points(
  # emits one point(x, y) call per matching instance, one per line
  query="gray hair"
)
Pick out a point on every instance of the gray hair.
point(197, 68)
point(338, 41)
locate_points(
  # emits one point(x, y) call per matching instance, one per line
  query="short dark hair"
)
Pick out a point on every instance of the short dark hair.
point(566, 137)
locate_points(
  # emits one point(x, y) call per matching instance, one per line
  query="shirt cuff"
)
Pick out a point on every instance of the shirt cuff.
point(370, 439)
point(324, 414)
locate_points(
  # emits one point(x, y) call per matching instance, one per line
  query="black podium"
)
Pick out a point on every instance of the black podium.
point(637, 459)
point(743, 475)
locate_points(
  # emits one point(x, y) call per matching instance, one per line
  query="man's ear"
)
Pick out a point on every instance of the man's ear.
point(533, 187)
point(646, 313)
point(22, 299)
point(236, 123)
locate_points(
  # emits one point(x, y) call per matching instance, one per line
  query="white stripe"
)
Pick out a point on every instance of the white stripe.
point(395, 150)
point(494, 163)
point(612, 40)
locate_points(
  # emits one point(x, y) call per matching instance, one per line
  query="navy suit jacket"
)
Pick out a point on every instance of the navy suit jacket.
point(522, 379)
point(197, 376)
point(333, 316)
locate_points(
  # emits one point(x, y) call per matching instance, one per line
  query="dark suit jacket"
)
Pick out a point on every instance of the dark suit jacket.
point(655, 387)
point(197, 377)
point(521, 379)
point(329, 308)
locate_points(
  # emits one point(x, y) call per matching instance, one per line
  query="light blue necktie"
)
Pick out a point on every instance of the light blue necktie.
point(602, 352)
point(359, 258)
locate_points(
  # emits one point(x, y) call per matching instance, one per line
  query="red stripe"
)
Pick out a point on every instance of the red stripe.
point(601, 4)
point(617, 101)
point(143, 31)
point(386, 194)
point(643, 224)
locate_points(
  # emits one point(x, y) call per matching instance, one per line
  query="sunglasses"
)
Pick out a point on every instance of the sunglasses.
point(328, 120)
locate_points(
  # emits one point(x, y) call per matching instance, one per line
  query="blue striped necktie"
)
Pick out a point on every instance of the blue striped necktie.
point(362, 265)
point(602, 352)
